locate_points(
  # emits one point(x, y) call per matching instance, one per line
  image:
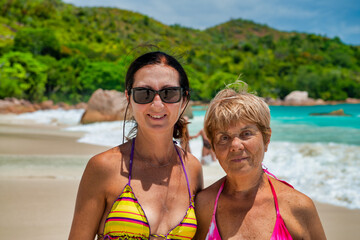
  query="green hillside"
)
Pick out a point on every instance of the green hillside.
point(53, 50)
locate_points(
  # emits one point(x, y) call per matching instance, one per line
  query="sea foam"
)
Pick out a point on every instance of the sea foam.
point(54, 117)
point(327, 172)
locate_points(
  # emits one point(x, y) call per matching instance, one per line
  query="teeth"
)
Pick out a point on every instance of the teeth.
point(156, 116)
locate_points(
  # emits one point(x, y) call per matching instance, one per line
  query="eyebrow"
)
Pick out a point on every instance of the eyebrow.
point(253, 127)
point(249, 127)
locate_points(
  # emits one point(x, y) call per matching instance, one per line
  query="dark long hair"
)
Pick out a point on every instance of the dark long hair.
point(153, 58)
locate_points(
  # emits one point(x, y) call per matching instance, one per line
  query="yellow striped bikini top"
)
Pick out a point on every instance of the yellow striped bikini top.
point(127, 219)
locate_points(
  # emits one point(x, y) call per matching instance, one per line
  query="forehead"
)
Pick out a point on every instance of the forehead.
point(156, 75)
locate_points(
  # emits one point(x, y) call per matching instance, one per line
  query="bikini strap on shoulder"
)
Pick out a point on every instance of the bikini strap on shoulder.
point(269, 173)
point(131, 159)
point(218, 196)
point(274, 195)
point(183, 166)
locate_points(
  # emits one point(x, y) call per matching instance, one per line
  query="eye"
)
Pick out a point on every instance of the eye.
point(165, 93)
point(247, 134)
point(223, 139)
point(147, 94)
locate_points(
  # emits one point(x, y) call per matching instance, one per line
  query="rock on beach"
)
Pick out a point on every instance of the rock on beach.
point(339, 112)
point(105, 105)
point(18, 106)
point(301, 98)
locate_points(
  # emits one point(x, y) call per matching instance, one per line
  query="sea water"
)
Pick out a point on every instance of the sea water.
point(318, 155)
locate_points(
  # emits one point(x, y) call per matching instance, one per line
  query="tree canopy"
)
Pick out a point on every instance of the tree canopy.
point(53, 50)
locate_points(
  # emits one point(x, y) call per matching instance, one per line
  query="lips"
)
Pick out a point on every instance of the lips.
point(239, 159)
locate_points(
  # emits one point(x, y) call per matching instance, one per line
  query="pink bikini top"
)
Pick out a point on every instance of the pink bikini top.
point(280, 231)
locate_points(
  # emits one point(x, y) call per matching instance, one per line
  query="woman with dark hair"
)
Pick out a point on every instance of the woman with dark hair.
point(144, 188)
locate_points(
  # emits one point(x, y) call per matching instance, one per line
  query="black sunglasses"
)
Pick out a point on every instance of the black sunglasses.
point(167, 95)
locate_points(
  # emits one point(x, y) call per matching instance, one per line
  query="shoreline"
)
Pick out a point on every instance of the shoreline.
point(24, 138)
point(42, 201)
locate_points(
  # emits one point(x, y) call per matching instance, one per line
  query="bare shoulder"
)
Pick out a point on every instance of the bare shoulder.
point(105, 165)
point(204, 201)
point(194, 169)
point(193, 162)
point(297, 202)
point(95, 187)
point(104, 161)
point(299, 212)
point(204, 206)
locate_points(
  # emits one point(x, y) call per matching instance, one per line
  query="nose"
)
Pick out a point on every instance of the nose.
point(157, 102)
point(236, 144)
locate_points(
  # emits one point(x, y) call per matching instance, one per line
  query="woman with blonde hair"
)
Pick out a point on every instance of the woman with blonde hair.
point(249, 202)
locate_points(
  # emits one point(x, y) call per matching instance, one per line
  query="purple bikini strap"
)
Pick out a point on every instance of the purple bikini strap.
point(131, 159)
point(182, 163)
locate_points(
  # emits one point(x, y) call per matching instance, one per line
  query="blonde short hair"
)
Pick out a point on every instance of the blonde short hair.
point(230, 106)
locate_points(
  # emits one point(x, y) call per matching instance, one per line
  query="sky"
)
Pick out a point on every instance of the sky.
point(328, 18)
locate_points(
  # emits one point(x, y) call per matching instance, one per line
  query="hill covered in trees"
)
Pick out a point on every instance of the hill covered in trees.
point(52, 50)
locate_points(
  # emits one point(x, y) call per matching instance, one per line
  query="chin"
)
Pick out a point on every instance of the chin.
point(239, 169)
point(159, 128)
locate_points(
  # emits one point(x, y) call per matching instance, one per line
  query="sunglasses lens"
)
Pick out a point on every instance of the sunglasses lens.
point(146, 95)
point(143, 96)
point(170, 95)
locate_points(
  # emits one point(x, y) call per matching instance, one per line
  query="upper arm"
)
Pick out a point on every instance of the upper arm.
point(204, 207)
point(305, 213)
point(203, 215)
point(200, 177)
point(312, 221)
point(90, 202)
point(196, 172)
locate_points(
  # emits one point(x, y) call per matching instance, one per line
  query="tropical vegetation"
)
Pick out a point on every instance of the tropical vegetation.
point(52, 50)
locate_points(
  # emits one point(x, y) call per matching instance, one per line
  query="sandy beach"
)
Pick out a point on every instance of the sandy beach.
point(37, 200)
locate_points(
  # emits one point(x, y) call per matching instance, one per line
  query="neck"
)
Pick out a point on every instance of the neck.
point(157, 149)
point(244, 186)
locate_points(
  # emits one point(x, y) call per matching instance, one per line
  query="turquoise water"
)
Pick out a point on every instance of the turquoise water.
point(295, 124)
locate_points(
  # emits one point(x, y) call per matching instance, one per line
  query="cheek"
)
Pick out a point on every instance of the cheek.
point(176, 108)
point(135, 109)
point(258, 150)
point(220, 151)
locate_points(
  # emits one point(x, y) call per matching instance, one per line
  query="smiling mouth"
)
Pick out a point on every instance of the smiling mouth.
point(157, 116)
